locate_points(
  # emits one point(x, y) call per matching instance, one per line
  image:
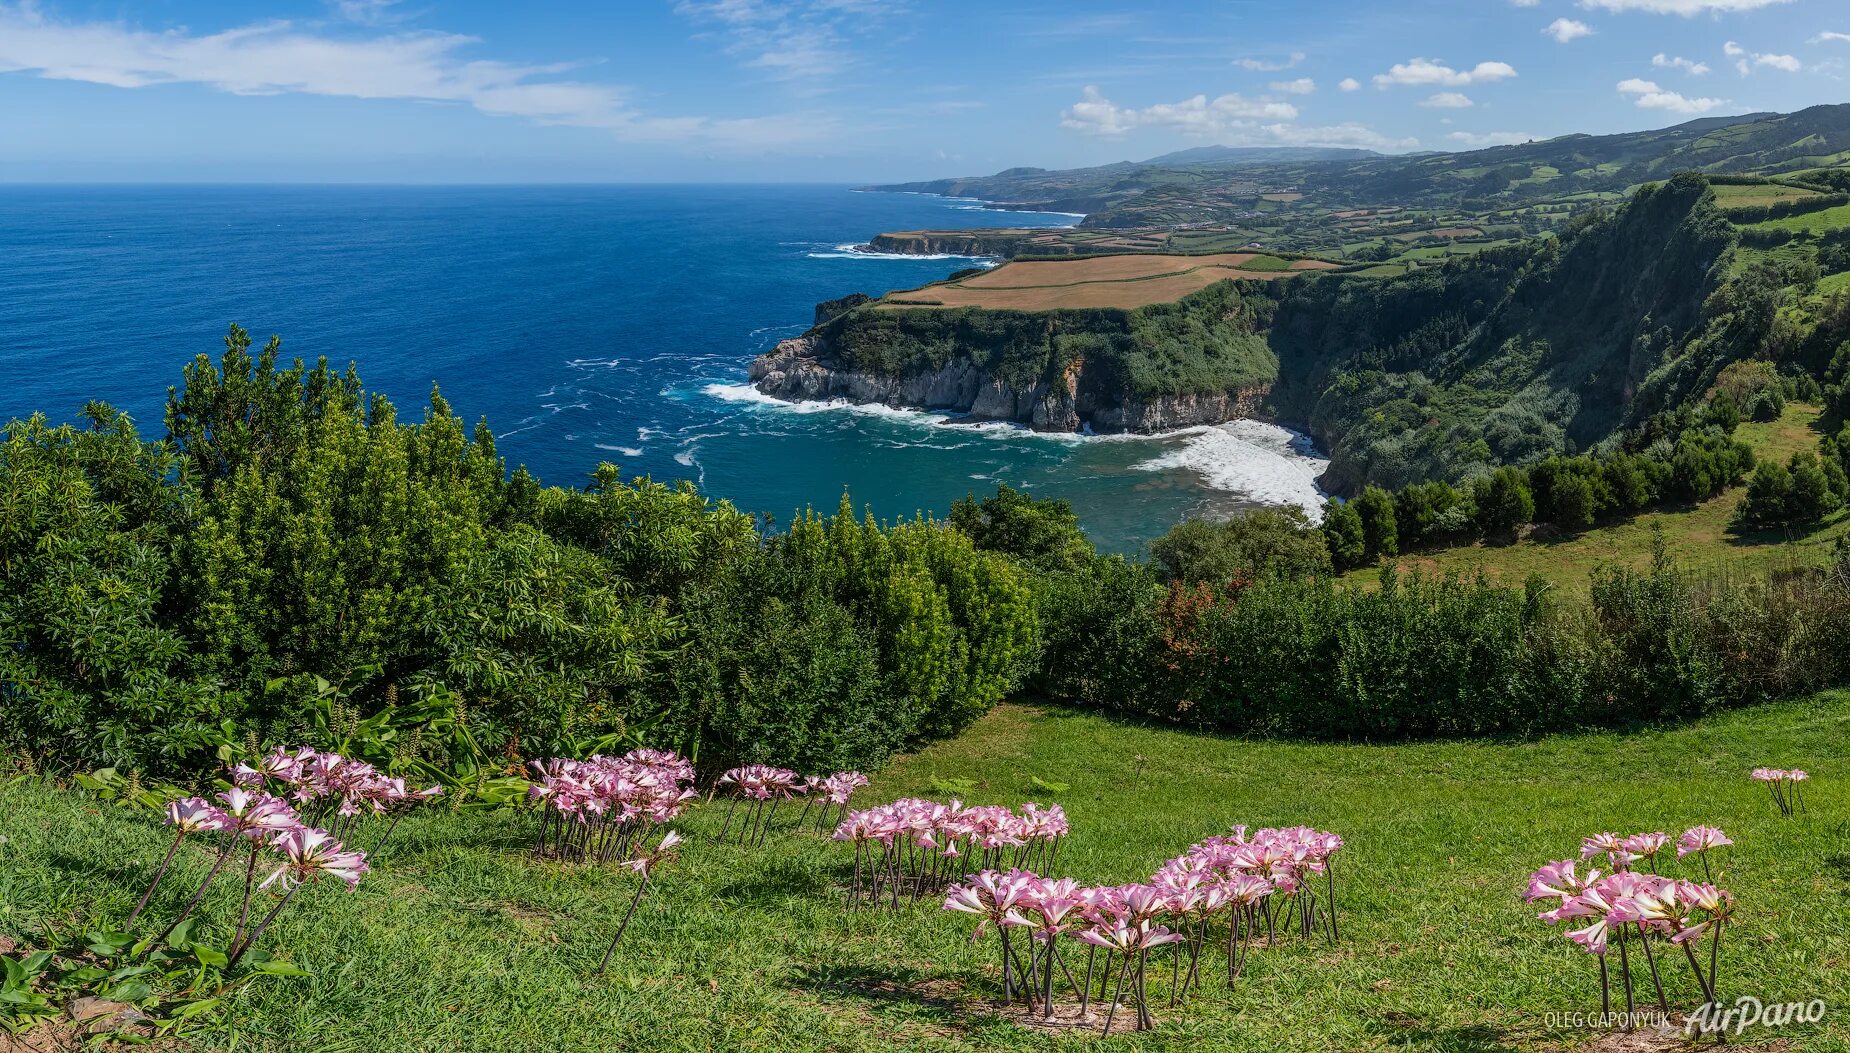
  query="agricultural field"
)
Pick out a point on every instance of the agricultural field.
point(460, 939)
point(1701, 536)
point(1123, 281)
point(1754, 194)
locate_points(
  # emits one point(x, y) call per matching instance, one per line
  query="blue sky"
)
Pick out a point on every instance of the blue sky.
point(850, 90)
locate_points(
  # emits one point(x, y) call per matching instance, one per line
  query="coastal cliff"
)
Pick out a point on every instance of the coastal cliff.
point(1069, 399)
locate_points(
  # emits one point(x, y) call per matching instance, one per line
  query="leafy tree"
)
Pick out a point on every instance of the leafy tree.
point(1342, 533)
point(1043, 533)
point(1504, 502)
point(1380, 534)
point(1259, 543)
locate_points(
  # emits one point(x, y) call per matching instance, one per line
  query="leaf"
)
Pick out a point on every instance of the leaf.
point(133, 991)
point(193, 1009)
point(210, 955)
point(181, 937)
point(1051, 787)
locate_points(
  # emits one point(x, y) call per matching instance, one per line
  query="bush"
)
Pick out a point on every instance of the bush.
point(1252, 545)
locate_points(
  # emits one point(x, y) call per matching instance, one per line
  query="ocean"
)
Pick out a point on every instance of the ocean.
point(585, 323)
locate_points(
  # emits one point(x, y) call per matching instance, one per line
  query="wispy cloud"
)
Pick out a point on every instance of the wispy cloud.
point(279, 57)
point(1349, 84)
point(1429, 72)
point(1232, 119)
point(1827, 37)
point(1449, 100)
point(1686, 8)
point(1272, 65)
point(792, 39)
point(1300, 86)
point(1479, 140)
point(1647, 95)
point(1693, 68)
point(370, 12)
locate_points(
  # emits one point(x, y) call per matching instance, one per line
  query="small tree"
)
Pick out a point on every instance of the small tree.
point(1342, 530)
point(1504, 502)
point(1380, 533)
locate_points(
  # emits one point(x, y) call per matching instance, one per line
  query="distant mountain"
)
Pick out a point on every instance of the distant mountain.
point(1237, 155)
point(1214, 184)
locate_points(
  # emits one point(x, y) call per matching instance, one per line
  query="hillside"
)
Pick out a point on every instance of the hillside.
point(459, 939)
point(1442, 371)
point(1702, 536)
point(1201, 186)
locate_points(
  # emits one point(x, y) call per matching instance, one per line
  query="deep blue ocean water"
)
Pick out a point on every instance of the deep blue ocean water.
point(585, 323)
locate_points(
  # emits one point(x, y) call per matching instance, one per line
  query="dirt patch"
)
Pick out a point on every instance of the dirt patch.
point(1097, 268)
point(1124, 295)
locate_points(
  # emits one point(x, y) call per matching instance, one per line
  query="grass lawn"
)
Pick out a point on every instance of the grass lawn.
point(1698, 536)
point(461, 942)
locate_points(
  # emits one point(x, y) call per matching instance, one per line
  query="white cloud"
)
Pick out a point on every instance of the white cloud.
point(1271, 66)
point(1566, 29)
point(1483, 139)
point(1094, 114)
point(1449, 100)
point(1422, 71)
point(1524, 3)
point(1694, 69)
point(1349, 84)
point(1747, 61)
point(1301, 86)
point(1686, 8)
point(1230, 119)
point(1827, 36)
point(278, 57)
point(1652, 97)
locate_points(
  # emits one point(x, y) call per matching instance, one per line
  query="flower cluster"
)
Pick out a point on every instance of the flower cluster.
point(1624, 906)
point(247, 818)
point(1237, 881)
point(1785, 788)
point(332, 790)
point(764, 789)
point(915, 846)
point(597, 809)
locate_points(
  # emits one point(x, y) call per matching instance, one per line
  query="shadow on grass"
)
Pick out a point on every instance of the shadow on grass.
point(883, 984)
point(1409, 1031)
point(776, 881)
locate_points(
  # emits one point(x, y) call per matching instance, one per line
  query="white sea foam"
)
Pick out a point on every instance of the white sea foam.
point(627, 451)
point(1263, 462)
point(856, 252)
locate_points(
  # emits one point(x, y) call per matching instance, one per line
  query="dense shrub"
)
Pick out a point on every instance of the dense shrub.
point(295, 561)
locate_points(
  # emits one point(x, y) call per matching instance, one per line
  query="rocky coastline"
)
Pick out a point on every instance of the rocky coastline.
point(801, 369)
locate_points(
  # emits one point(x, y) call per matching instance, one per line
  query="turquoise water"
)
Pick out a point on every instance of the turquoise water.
point(585, 323)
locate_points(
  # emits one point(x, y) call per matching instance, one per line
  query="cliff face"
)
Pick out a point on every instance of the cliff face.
point(802, 370)
point(949, 243)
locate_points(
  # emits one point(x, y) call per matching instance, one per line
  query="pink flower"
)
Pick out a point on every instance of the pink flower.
point(1644, 846)
point(1558, 879)
point(1698, 839)
point(312, 853)
point(196, 815)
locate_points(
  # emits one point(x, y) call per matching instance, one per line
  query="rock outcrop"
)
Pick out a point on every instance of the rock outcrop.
point(802, 370)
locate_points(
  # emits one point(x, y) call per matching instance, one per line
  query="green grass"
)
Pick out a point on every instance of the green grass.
point(1699, 536)
point(1823, 220)
point(460, 942)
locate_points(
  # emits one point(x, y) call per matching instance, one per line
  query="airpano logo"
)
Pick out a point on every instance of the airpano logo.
point(1714, 1018)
